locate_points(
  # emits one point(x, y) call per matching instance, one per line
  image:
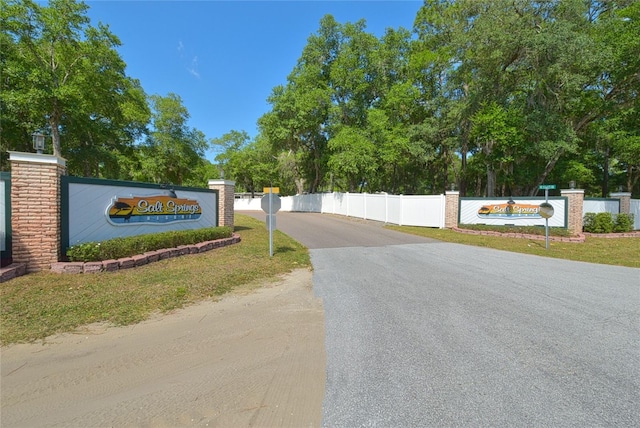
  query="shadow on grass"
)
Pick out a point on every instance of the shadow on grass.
point(238, 228)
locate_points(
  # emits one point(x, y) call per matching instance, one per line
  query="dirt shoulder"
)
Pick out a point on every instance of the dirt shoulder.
point(254, 358)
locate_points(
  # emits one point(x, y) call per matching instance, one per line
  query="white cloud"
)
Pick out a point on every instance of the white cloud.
point(193, 68)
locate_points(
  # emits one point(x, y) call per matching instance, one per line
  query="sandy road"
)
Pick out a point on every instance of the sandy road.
point(251, 359)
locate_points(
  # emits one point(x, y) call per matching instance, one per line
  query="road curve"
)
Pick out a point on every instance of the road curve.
point(426, 333)
point(315, 231)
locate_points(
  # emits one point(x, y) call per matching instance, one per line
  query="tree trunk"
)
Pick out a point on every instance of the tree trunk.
point(491, 182)
point(491, 172)
point(548, 168)
point(55, 135)
point(605, 173)
point(463, 171)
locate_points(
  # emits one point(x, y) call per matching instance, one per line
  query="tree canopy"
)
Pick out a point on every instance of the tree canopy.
point(491, 97)
point(63, 77)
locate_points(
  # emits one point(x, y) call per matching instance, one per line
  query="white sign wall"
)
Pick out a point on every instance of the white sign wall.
point(522, 212)
point(91, 209)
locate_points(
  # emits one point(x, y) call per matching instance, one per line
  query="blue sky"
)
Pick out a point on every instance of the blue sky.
point(223, 58)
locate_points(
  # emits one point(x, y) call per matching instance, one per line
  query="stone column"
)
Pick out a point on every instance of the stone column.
point(451, 207)
point(35, 209)
point(575, 199)
point(625, 201)
point(226, 192)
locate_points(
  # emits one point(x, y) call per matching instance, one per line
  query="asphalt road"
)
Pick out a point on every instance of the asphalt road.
point(425, 333)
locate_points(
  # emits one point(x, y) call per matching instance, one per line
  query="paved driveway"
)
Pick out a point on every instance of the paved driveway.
point(425, 333)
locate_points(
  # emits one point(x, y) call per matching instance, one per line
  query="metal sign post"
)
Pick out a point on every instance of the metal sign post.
point(270, 204)
point(546, 210)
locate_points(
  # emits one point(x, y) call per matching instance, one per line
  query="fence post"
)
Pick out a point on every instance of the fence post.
point(575, 198)
point(35, 209)
point(451, 208)
point(347, 196)
point(625, 201)
point(226, 198)
point(386, 207)
point(364, 201)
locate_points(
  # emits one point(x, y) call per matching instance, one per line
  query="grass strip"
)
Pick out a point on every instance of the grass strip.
point(611, 251)
point(38, 305)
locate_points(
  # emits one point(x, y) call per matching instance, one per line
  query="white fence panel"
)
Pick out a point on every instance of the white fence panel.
point(376, 207)
point(328, 203)
point(403, 210)
point(356, 205)
point(394, 209)
point(341, 203)
point(246, 204)
point(305, 203)
point(635, 210)
point(423, 211)
point(3, 217)
point(600, 205)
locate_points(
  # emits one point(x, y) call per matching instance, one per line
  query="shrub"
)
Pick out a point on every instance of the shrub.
point(125, 247)
point(588, 222)
point(87, 251)
point(599, 223)
point(623, 223)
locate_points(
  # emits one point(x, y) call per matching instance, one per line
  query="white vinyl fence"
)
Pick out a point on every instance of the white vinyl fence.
point(609, 205)
point(5, 216)
point(600, 205)
point(403, 210)
point(635, 210)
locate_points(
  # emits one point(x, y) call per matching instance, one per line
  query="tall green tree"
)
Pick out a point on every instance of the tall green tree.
point(298, 118)
point(533, 58)
point(173, 151)
point(251, 164)
point(62, 75)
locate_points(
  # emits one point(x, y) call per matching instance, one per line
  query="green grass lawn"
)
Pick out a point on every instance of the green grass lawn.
point(37, 305)
point(613, 251)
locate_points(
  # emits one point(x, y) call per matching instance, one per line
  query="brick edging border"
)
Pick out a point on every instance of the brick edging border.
point(142, 259)
point(14, 270)
point(19, 269)
point(635, 234)
point(578, 238)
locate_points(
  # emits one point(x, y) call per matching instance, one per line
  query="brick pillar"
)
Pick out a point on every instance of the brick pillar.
point(226, 191)
point(451, 207)
point(625, 201)
point(35, 209)
point(575, 199)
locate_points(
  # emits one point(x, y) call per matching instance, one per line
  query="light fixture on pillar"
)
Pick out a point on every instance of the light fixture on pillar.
point(572, 184)
point(453, 186)
point(38, 142)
